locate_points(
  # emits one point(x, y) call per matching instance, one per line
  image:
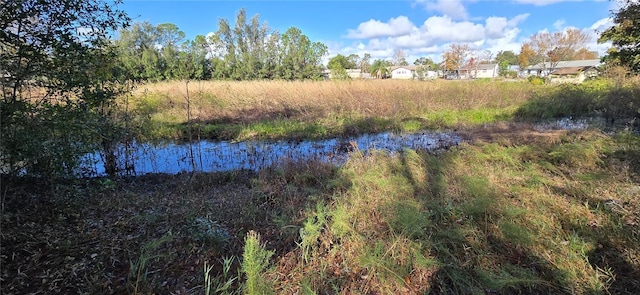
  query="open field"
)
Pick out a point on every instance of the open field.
point(512, 210)
point(279, 109)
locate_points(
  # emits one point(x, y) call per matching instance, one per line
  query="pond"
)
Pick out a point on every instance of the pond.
point(220, 156)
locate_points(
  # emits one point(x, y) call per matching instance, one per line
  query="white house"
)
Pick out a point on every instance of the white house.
point(403, 72)
point(412, 72)
point(544, 69)
point(479, 71)
point(430, 75)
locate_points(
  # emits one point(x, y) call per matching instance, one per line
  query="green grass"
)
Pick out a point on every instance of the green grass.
point(539, 216)
point(472, 220)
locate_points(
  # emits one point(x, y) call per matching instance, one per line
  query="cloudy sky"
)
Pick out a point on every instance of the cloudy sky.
point(379, 27)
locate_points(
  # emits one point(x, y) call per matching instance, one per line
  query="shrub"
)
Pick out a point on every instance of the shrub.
point(535, 80)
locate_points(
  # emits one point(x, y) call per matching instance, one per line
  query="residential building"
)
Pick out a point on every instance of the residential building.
point(403, 72)
point(352, 73)
point(573, 74)
point(479, 71)
point(544, 69)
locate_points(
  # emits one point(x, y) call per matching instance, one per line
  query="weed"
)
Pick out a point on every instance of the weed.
point(221, 284)
point(255, 262)
point(312, 229)
point(138, 271)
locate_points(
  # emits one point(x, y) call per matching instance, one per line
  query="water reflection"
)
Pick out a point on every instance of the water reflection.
point(220, 156)
point(208, 156)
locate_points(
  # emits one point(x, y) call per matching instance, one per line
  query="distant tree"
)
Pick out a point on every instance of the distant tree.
point(625, 36)
point(426, 63)
point(504, 60)
point(455, 57)
point(365, 63)
point(338, 65)
point(169, 36)
point(354, 61)
point(507, 56)
point(400, 58)
point(527, 56)
point(301, 59)
point(243, 50)
point(203, 51)
point(584, 53)
point(138, 58)
point(380, 68)
point(551, 48)
point(485, 57)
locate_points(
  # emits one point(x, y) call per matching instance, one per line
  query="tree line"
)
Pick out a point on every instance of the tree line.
point(244, 50)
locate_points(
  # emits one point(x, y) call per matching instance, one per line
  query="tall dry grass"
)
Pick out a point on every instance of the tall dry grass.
point(310, 100)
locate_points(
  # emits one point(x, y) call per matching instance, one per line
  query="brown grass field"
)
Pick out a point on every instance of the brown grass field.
point(311, 99)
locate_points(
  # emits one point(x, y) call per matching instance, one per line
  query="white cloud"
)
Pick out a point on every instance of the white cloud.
point(602, 24)
point(436, 33)
point(400, 25)
point(599, 26)
point(494, 27)
point(559, 24)
point(451, 8)
point(443, 28)
point(518, 19)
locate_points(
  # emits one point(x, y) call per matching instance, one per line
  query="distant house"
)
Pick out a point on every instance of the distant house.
point(403, 72)
point(352, 73)
point(357, 74)
point(573, 74)
point(430, 75)
point(479, 71)
point(544, 69)
point(412, 72)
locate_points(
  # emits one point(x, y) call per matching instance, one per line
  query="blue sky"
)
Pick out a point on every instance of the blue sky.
point(379, 27)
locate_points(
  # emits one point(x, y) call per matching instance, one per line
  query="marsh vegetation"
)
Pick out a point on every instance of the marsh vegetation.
point(512, 209)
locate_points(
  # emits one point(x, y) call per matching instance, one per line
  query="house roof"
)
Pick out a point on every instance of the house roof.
point(411, 68)
point(570, 70)
point(480, 67)
point(567, 64)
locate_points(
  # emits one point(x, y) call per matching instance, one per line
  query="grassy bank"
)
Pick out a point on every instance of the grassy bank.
point(527, 212)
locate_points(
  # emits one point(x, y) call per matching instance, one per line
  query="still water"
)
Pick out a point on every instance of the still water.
point(219, 156)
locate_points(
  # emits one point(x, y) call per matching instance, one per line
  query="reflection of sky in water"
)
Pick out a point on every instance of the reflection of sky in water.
point(254, 155)
point(208, 156)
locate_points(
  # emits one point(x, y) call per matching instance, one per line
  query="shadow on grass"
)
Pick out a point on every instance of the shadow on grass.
point(617, 241)
point(472, 257)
